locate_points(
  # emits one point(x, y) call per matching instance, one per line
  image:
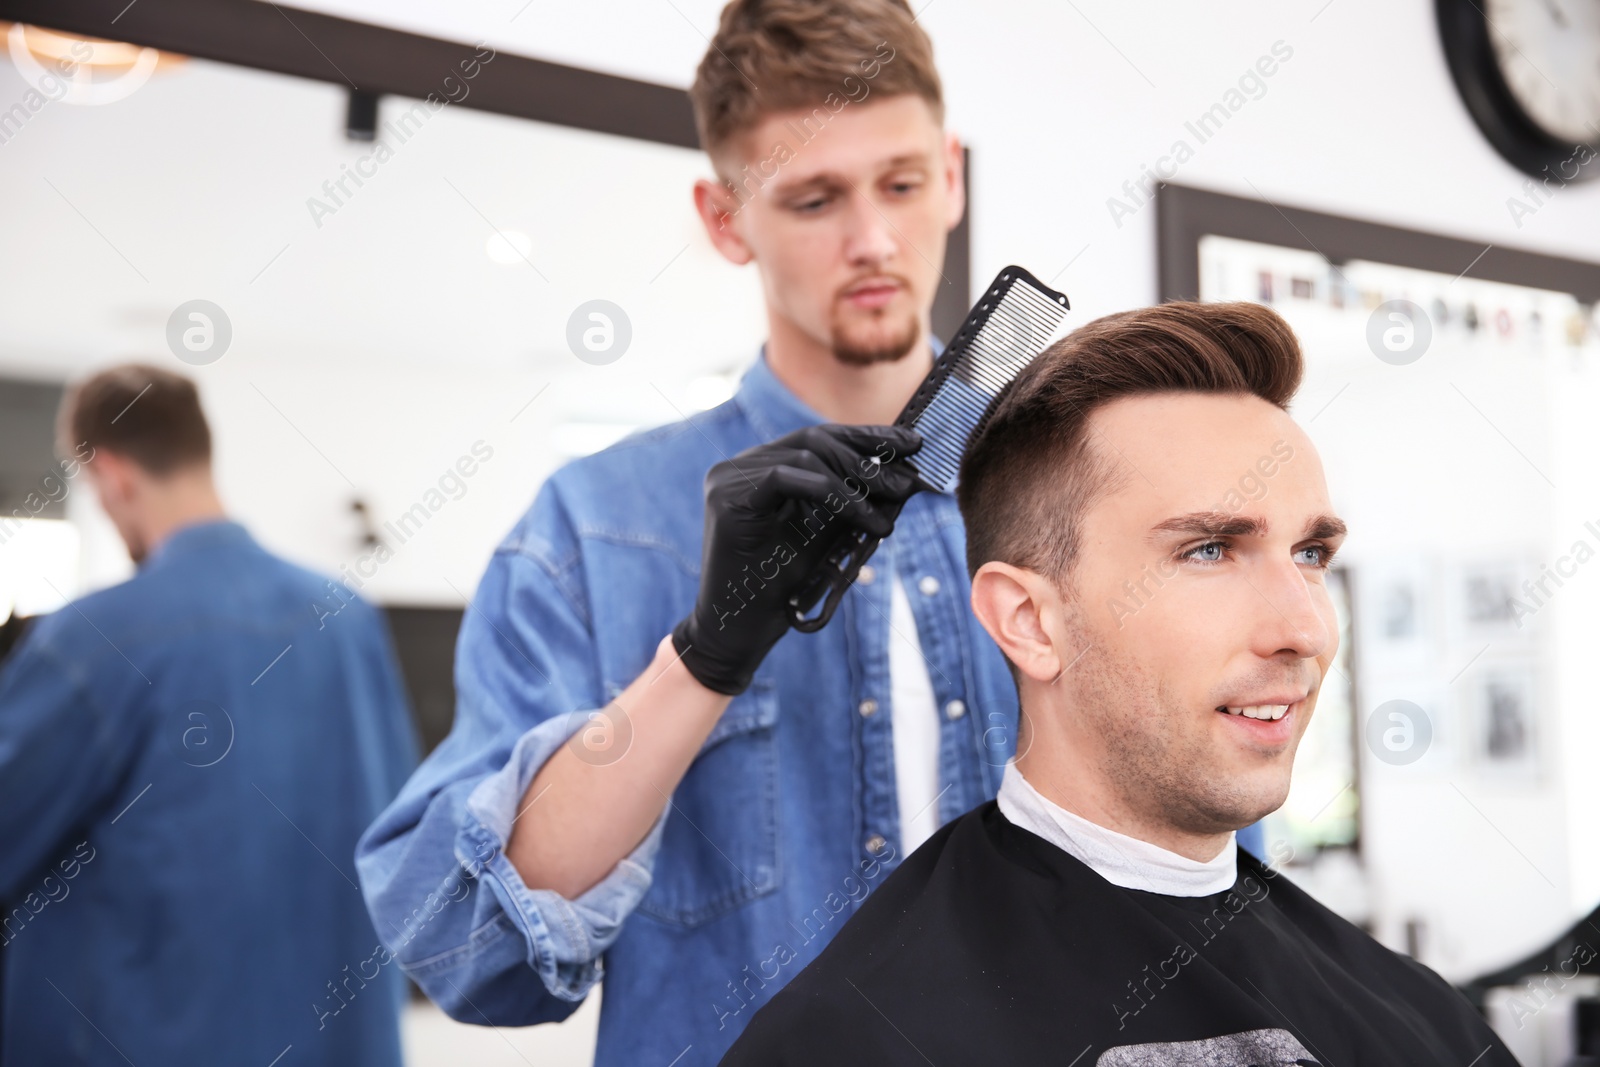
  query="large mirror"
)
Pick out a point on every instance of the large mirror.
point(396, 339)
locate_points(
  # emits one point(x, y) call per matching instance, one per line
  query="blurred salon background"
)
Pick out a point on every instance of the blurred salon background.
point(383, 301)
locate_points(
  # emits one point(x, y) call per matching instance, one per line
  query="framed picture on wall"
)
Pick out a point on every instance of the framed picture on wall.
point(1488, 594)
point(1400, 627)
point(1400, 606)
point(1487, 599)
point(1501, 718)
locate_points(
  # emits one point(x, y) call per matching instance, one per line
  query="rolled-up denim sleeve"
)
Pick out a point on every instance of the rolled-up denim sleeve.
point(565, 937)
point(446, 901)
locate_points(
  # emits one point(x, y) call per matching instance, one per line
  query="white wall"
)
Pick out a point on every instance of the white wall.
point(1064, 102)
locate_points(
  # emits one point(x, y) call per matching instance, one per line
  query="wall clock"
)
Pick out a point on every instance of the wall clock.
point(1529, 73)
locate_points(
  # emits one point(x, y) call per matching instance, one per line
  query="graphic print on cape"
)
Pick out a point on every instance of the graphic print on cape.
point(1255, 1048)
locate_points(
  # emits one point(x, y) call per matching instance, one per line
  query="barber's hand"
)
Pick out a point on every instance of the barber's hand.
point(759, 549)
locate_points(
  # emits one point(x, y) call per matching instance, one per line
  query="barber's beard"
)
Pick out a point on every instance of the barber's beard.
point(861, 344)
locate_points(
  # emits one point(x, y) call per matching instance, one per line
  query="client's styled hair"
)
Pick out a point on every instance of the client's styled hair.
point(1033, 472)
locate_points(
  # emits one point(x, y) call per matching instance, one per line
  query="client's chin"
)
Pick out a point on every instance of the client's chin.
point(1241, 806)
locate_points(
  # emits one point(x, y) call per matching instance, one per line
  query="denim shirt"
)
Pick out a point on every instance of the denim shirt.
point(783, 823)
point(186, 762)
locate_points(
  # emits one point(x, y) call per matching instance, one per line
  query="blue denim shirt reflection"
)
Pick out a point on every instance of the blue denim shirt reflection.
point(186, 762)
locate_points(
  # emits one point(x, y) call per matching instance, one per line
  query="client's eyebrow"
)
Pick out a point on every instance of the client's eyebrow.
point(1222, 524)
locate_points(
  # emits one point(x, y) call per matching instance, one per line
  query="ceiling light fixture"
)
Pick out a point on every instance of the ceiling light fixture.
point(85, 71)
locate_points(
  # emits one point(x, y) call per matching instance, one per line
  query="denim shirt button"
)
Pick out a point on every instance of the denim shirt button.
point(929, 585)
point(876, 844)
point(867, 707)
point(955, 709)
point(866, 575)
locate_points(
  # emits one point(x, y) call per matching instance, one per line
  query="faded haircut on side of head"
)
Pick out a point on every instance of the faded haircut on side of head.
point(1033, 473)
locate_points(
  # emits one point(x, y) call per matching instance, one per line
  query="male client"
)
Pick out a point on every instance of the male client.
point(1149, 534)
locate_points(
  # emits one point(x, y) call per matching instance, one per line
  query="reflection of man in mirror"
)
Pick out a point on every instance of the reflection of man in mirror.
point(187, 759)
point(649, 778)
point(1099, 911)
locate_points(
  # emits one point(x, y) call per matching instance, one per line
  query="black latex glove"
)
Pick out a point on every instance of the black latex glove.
point(759, 548)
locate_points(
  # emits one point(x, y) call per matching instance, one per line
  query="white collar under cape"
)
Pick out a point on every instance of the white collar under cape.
point(1119, 859)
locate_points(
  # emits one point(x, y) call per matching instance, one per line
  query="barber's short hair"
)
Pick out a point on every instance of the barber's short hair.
point(770, 56)
point(1029, 478)
point(149, 415)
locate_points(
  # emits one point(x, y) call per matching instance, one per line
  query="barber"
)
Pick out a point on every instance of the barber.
point(650, 778)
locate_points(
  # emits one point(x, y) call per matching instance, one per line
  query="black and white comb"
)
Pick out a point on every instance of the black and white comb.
point(1012, 323)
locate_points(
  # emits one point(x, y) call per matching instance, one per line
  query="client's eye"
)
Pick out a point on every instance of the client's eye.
point(1197, 553)
point(1324, 556)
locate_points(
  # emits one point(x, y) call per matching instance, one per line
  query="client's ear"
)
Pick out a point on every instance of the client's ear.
point(1019, 608)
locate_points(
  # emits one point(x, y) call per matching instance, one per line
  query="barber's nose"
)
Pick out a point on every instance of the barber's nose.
point(871, 239)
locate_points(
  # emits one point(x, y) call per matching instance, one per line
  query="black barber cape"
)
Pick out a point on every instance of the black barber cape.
point(990, 945)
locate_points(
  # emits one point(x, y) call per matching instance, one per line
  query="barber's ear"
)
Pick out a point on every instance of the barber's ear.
point(1019, 608)
point(717, 205)
point(956, 192)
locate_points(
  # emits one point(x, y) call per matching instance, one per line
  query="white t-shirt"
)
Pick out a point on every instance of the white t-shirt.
point(915, 721)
